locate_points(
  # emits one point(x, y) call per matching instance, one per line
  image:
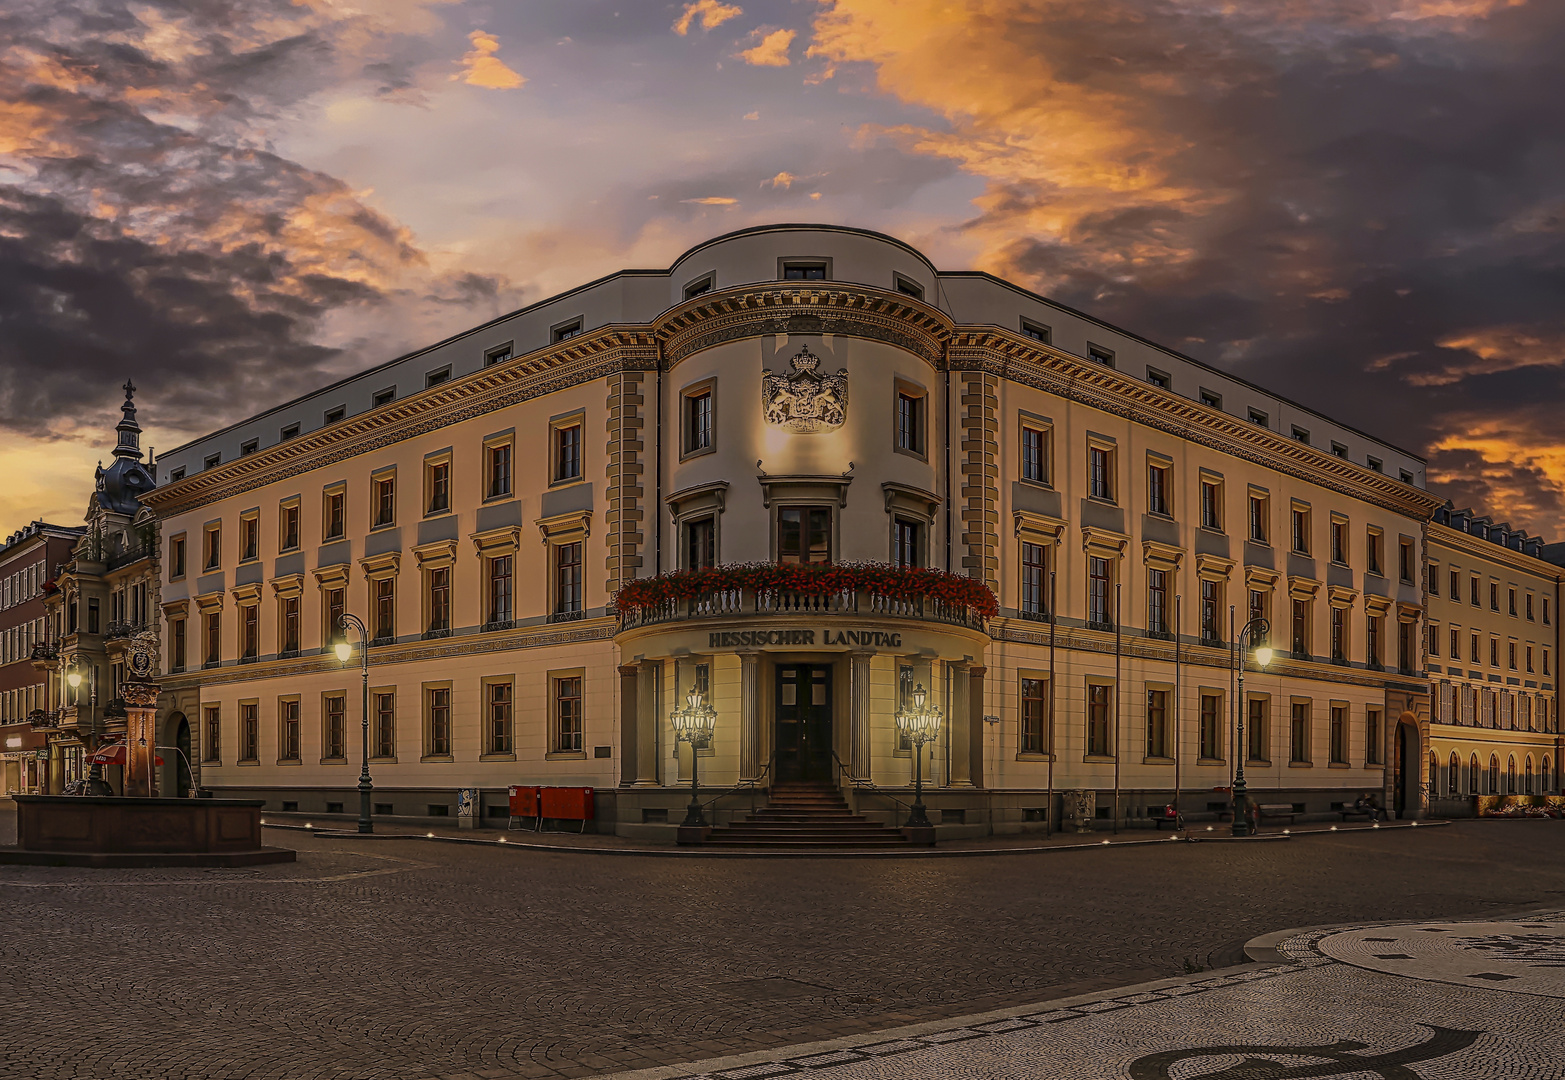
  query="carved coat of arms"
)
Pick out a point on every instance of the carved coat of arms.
point(805, 400)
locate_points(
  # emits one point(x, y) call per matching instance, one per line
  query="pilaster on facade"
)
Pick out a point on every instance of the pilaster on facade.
point(978, 405)
point(626, 454)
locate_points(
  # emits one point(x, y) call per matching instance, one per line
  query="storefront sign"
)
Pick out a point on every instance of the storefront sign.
point(738, 639)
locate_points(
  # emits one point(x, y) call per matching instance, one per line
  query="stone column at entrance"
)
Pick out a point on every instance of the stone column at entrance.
point(647, 722)
point(141, 738)
point(749, 715)
point(977, 729)
point(627, 723)
point(961, 727)
point(858, 716)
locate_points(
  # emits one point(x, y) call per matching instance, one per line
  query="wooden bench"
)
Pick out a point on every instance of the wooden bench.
point(1277, 810)
point(1164, 819)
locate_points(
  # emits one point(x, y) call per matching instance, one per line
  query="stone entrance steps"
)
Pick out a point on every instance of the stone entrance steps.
point(805, 815)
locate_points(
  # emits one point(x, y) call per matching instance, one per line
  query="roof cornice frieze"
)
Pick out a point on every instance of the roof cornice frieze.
point(784, 308)
point(1488, 550)
point(1043, 367)
point(581, 359)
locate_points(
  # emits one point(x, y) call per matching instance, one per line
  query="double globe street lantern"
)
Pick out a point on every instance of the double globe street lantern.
point(344, 650)
point(919, 724)
point(1254, 630)
point(694, 724)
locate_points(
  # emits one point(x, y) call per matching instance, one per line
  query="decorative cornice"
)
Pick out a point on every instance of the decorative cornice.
point(1023, 360)
point(1468, 544)
point(578, 360)
point(780, 308)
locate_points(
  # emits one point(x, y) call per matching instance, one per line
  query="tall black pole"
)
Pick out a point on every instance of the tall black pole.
point(366, 785)
point(1117, 618)
point(1177, 690)
point(1053, 595)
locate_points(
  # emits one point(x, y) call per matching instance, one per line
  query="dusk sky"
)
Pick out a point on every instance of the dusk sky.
point(1356, 203)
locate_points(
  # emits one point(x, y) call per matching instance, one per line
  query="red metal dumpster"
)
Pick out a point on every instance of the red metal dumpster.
point(524, 801)
point(568, 804)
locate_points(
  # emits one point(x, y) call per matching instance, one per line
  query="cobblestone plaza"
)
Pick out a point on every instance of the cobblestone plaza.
point(404, 959)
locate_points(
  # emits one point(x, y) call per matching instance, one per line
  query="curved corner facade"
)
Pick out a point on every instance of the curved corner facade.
point(798, 394)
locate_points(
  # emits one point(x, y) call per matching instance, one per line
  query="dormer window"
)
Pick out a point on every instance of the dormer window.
point(249, 446)
point(335, 415)
point(1099, 355)
point(1259, 418)
point(212, 461)
point(498, 356)
point(801, 270)
point(435, 378)
point(1338, 450)
point(1301, 435)
point(908, 287)
point(1158, 378)
point(1375, 464)
point(384, 397)
point(1037, 331)
point(700, 286)
point(290, 432)
point(1211, 400)
point(177, 474)
point(565, 331)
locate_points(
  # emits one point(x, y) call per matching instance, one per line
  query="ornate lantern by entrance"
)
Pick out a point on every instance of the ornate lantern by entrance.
point(919, 724)
point(694, 724)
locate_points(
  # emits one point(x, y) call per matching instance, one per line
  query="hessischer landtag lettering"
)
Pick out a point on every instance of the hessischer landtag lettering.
point(738, 639)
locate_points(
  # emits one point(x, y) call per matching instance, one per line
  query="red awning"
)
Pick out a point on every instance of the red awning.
point(113, 754)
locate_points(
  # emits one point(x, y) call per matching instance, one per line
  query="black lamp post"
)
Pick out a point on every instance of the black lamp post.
point(344, 650)
point(1255, 628)
point(96, 784)
point(694, 724)
point(920, 725)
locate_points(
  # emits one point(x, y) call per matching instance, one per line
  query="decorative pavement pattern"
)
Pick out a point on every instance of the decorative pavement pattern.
point(1355, 1003)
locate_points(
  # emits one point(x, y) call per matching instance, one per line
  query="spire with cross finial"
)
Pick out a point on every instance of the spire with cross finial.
point(129, 442)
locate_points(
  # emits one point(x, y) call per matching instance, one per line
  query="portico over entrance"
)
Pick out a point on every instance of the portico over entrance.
point(806, 685)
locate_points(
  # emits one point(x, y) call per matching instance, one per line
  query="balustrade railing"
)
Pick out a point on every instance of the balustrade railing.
point(736, 603)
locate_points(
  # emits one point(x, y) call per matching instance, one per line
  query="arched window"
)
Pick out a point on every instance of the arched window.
point(1527, 777)
point(1454, 781)
point(1546, 776)
point(1434, 776)
point(1493, 785)
point(1510, 775)
point(1474, 775)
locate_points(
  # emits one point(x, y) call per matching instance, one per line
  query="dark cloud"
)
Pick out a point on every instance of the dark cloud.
point(1356, 204)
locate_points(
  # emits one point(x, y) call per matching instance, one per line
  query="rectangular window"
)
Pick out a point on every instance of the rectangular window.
point(1339, 542)
point(213, 632)
point(249, 539)
point(383, 729)
point(1035, 456)
point(1405, 567)
point(1211, 727)
point(1098, 574)
point(1456, 586)
point(176, 651)
point(498, 718)
point(1511, 655)
point(1100, 473)
point(336, 515)
point(1494, 652)
point(1301, 629)
point(1372, 552)
point(1258, 417)
point(289, 615)
point(385, 501)
point(1529, 607)
point(288, 730)
point(334, 602)
point(567, 579)
point(1407, 647)
point(1157, 489)
point(567, 453)
point(1473, 649)
point(1259, 520)
point(1259, 611)
point(910, 422)
point(1339, 735)
point(249, 631)
point(212, 547)
point(1035, 716)
point(804, 271)
point(1159, 379)
point(176, 559)
point(701, 287)
point(1301, 435)
point(567, 715)
point(1211, 400)
point(334, 727)
point(439, 600)
point(94, 616)
point(698, 421)
point(437, 728)
point(907, 542)
point(1157, 602)
point(1211, 505)
point(1301, 531)
point(1033, 603)
point(1494, 596)
point(1339, 634)
point(566, 331)
point(1455, 644)
point(1036, 331)
point(437, 483)
point(1099, 355)
point(1257, 738)
point(290, 527)
point(1299, 734)
point(249, 732)
point(1372, 737)
point(1545, 611)
point(385, 609)
point(435, 378)
point(382, 398)
point(1211, 613)
point(804, 534)
point(1529, 658)
point(1157, 724)
point(1098, 744)
point(212, 734)
point(700, 543)
point(1372, 640)
point(500, 590)
point(499, 464)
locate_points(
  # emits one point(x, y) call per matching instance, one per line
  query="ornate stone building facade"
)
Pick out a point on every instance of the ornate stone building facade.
point(795, 395)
